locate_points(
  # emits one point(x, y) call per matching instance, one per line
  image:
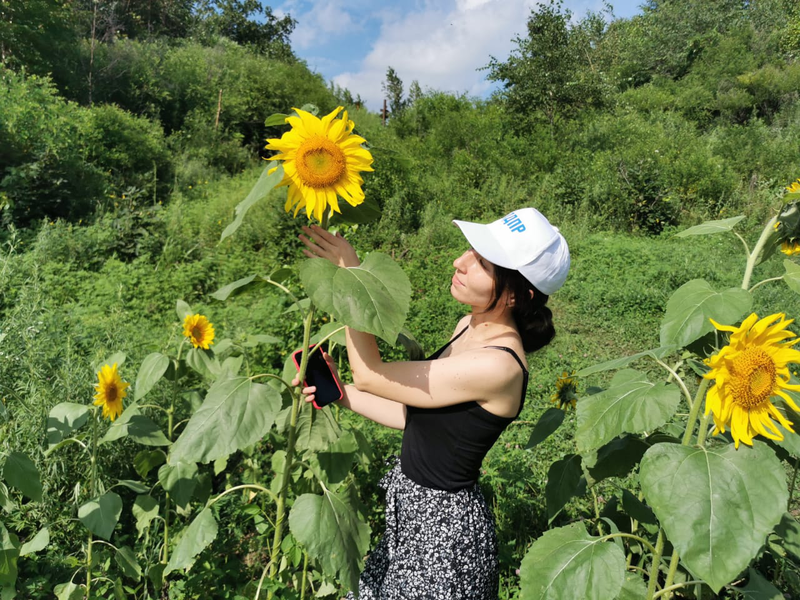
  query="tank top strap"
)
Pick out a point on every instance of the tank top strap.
point(524, 373)
point(438, 353)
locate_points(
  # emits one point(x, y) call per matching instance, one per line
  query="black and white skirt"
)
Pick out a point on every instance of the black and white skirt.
point(437, 545)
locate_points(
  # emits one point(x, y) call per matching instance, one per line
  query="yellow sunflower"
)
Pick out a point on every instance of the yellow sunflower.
point(566, 391)
point(199, 331)
point(794, 187)
point(790, 248)
point(322, 159)
point(110, 390)
point(748, 372)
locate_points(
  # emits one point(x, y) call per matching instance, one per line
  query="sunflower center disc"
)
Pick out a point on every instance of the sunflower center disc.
point(111, 392)
point(320, 162)
point(753, 377)
point(197, 333)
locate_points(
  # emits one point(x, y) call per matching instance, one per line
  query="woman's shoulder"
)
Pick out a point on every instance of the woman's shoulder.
point(463, 323)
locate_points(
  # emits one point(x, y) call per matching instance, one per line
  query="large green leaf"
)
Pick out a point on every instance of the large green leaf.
point(203, 362)
point(711, 227)
point(135, 425)
point(100, 515)
point(545, 426)
point(21, 473)
point(631, 404)
point(366, 212)
point(9, 554)
point(792, 275)
point(262, 187)
point(179, 480)
point(717, 504)
point(145, 509)
point(330, 529)
point(618, 363)
point(236, 413)
point(69, 591)
point(126, 559)
point(336, 461)
point(146, 460)
point(616, 458)
point(194, 540)
point(373, 297)
point(64, 418)
point(569, 563)
point(316, 429)
point(37, 543)
point(237, 286)
point(693, 304)
point(563, 481)
point(153, 368)
point(634, 588)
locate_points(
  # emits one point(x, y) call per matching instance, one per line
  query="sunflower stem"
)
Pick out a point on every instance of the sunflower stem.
point(698, 402)
point(751, 260)
point(170, 434)
point(280, 518)
point(93, 492)
point(651, 584)
point(305, 575)
point(673, 568)
point(703, 432)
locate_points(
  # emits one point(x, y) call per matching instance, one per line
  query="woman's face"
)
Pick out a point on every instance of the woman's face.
point(473, 281)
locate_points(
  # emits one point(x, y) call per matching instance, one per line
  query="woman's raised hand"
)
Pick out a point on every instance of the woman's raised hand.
point(333, 247)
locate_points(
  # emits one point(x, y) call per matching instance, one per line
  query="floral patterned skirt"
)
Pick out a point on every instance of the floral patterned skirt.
point(437, 545)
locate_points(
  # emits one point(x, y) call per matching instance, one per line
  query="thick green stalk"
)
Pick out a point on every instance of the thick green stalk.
point(305, 575)
point(751, 260)
point(93, 492)
point(791, 487)
point(651, 585)
point(280, 518)
point(687, 436)
point(170, 433)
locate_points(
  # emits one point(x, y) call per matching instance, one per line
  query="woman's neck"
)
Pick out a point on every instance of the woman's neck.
point(484, 326)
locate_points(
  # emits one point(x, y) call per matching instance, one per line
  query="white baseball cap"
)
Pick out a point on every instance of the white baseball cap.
point(523, 240)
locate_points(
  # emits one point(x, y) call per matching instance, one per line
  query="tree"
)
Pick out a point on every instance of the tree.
point(246, 22)
point(393, 87)
point(414, 92)
point(550, 72)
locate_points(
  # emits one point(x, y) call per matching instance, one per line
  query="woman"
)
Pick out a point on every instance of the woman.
point(440, 540)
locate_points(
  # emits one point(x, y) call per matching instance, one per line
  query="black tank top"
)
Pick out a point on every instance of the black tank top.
point(443, 448)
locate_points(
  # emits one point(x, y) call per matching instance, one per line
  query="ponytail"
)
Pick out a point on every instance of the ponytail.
point(533, 318)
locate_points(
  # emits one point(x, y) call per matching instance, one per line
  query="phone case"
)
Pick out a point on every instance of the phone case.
point(327, 373)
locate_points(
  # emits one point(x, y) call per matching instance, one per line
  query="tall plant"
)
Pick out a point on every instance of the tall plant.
point(705, 506)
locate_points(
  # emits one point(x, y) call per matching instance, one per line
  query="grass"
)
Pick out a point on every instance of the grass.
point(73, 295)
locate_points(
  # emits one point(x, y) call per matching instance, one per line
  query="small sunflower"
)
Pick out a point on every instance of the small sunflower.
point(794, 187)
point(566, 391)
point(748, 372)
point(322, 159)
point(110, 390)
point(199, 331)
point(790, 248)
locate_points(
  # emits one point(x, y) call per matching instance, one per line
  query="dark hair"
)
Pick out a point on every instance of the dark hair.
point(533, 319)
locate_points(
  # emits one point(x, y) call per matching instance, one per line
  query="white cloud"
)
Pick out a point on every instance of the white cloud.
point(440, 46)
point(321, 21)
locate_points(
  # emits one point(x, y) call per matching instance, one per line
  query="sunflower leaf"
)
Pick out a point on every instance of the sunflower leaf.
point(153, 368)
point(236, 413)
point(100, 515)
point(9, 554)
point(182, 309)
point(373, 297)
point(737, 497)
point(20, 472)
point(64, 418)
point(631, 404)
point(711, 227)
point(235, 287)
point(179, 479)
point(265, 183)
point(329, 527)
point(563, 482)
point(195, 538)
point(618, 363)
point(37, 543)
point(134, 424)
point(569, 563)
point(691, 307)
point(545, 426)
point(758, 588)
point(792, 275)
point(145, 509)
point(275, 119)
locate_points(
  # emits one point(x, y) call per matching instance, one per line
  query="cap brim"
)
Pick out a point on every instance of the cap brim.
point(481, 239)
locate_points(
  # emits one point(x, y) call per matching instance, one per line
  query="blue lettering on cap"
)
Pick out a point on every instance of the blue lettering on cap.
point(514, 223)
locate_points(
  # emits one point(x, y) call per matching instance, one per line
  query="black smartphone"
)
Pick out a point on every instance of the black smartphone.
point(320, 375)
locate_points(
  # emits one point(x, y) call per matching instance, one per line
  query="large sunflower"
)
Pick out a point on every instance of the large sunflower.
point(566, 391)
point(110, 390)
point(199, 331)
point(322, 159)
point(748, 372)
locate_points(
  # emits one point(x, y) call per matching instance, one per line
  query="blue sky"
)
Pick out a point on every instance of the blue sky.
point(440, 43)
